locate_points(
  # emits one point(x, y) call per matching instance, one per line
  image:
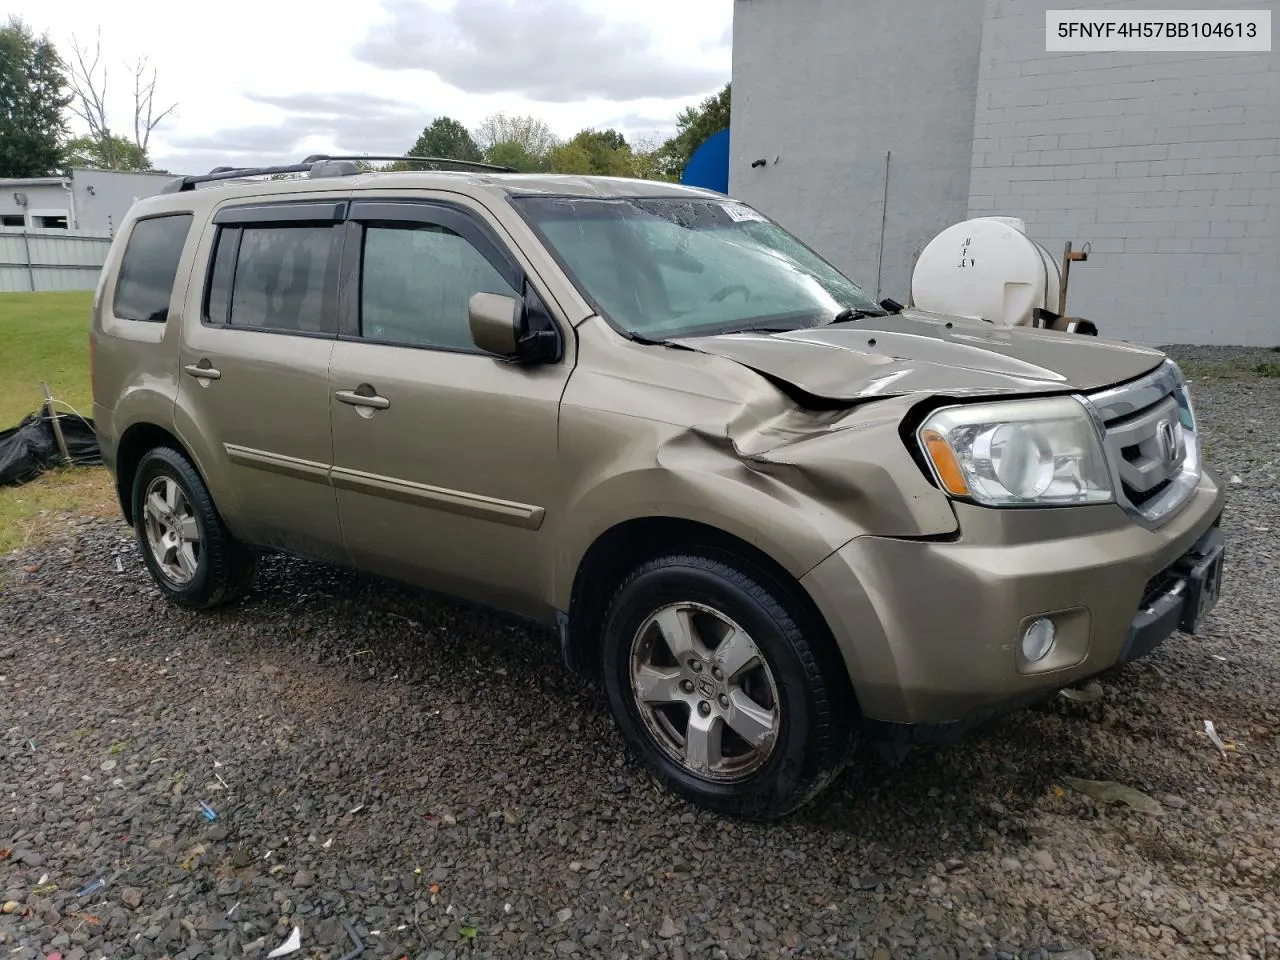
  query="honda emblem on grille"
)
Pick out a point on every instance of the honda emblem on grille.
point(1167, 438)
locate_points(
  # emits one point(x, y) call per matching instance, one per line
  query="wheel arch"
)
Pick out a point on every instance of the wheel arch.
point(133, 445)
point(627, 544)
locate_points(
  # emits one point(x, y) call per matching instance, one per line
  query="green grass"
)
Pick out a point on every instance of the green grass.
point(1231, 369)
point(45, 336)
point(31, 513)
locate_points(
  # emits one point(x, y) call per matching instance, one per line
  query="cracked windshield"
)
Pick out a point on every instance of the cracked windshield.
point(664, 268)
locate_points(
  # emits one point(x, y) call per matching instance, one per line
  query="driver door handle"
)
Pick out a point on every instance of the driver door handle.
point(374, 402)
point(202, 373)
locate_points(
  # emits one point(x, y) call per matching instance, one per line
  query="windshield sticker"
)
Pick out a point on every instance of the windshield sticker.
point(739, 213)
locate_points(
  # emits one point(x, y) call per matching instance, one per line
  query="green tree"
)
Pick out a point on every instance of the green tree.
point(447, 138)
point(610, 154)
point(571, 157)
point(33, 96)
point(123, 154)
point(598, 152)
point(608, 139)
point(693, 126)
point(508, 153)
point(648, 162)
point(526, 139)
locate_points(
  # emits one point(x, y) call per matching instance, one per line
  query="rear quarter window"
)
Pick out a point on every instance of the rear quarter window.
point(144, 286)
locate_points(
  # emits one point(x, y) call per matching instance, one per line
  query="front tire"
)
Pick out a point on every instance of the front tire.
point(725, 686)
point(186, 547)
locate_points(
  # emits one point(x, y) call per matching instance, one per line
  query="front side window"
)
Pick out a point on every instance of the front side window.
point(416, 283)
point(149, 267)
point(670, 267)
point(273, 277)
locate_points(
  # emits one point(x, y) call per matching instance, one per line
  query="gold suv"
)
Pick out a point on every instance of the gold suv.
point(769, 513)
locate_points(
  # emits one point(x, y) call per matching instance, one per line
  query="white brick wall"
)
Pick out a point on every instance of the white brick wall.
point(1168, 164)
point(821, 90)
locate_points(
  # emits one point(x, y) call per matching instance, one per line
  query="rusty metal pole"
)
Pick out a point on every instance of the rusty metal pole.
point(1068, 257)
point(57, 425)
point(1062, 281)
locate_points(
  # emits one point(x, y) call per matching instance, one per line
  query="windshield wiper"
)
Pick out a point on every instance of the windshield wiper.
point(641, 338)
point(855, 313)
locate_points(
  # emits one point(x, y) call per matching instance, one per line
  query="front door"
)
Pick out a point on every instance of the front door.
point(444, 457)
point(254, 397)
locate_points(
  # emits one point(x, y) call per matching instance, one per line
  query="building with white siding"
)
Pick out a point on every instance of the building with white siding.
point(82, 200)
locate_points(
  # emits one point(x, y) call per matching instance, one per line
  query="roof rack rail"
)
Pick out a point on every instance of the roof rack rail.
point(322, 165)
point(446, 161)
point(232, 173)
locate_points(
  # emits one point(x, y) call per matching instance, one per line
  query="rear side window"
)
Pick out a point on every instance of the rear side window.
point(274, 277)
point(150, 265)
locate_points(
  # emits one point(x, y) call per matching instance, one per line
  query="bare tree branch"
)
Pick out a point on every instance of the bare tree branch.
point(89, 93)
point(145, 119)
point(87, 76)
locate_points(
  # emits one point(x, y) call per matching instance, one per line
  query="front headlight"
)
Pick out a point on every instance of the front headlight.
point(1017, 453)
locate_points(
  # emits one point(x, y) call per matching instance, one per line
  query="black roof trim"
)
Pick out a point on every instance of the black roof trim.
point(474, 165)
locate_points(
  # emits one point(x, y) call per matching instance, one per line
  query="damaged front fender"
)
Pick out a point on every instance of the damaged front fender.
point(850, 463)
point(705, 439)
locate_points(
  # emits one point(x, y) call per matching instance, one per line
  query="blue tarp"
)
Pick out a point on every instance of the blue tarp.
point(709, 165)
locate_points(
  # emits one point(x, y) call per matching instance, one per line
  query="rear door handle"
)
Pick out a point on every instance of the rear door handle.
point(373, 402)
point(203, 373)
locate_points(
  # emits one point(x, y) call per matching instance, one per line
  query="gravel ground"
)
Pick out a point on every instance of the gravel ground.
point(431, 775)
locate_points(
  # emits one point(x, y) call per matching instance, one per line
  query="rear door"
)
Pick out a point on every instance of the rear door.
point(445, 458)
point(254, 396)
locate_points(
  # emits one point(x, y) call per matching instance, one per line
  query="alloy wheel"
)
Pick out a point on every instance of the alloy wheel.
point(173, 535)
point(705, 691)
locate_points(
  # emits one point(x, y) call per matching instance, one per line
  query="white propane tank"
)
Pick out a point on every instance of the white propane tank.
point(987, 268)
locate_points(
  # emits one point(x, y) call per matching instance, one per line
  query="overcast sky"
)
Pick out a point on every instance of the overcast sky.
point(273, 81)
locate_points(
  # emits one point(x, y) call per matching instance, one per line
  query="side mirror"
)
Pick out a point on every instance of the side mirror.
point(497, 323)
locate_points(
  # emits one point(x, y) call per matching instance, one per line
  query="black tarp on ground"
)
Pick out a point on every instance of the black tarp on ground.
point(30, 448)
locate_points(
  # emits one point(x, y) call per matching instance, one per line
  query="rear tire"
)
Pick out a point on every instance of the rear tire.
point(725, 687)
point(186, 547)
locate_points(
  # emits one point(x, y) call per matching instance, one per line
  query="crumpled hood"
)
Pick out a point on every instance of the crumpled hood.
point(920, 352)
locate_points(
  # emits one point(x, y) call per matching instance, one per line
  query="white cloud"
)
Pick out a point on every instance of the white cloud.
point(271, 81)
point(554, 50)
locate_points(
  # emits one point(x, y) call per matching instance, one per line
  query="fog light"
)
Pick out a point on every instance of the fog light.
point(1037, 639)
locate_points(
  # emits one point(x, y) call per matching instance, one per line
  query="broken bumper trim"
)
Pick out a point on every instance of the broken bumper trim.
point(1178, 598)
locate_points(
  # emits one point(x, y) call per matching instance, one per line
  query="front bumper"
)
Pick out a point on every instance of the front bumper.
point(930, 630)
point(1178, 597)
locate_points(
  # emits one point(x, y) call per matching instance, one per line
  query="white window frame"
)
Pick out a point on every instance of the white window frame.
point(48, 212)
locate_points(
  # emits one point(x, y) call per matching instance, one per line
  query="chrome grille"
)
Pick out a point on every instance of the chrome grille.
point(1149, 435)
point(1148, 459)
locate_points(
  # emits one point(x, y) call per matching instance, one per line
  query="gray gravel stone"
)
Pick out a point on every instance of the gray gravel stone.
point(1044, 860)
